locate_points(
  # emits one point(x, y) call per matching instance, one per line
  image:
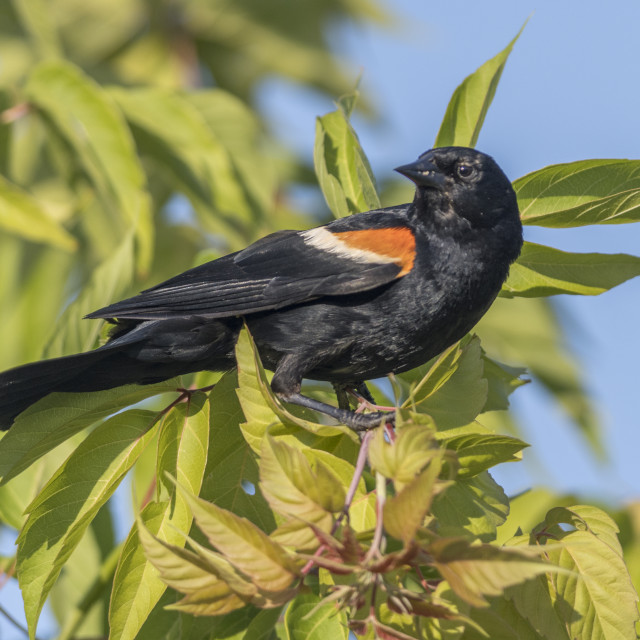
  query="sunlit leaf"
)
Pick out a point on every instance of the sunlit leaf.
point(404, 513)
point(587, 518)
point(472, 508)
point(57, 417)
point(477, 452)
point(62, 511)
point(21, 214)
point(530, 331)
point(183, 443)
point(80, 598)
point(205, 592)
point(476, 571)
point(182, 450)
point(343, 170)
point(600, 599)
point(544, 271)
point(96, 130)
point(172, 130)
point(594, 596)
point(503, 381)
point(404, 459)
point(293, 487)
point(37, 21)
point(231, 464)
point(451, 389)
point(307, 618)
point(108, 282)
point(470, 102)
point(581, 193)
point(248, 548)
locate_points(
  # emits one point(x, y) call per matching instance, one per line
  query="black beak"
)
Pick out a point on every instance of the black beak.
point(423, 173)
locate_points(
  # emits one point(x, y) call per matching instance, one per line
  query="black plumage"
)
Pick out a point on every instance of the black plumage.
point(370, 294)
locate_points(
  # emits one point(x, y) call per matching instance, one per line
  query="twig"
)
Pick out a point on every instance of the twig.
point(351, 492)
point(381, 496)
point(355, 480)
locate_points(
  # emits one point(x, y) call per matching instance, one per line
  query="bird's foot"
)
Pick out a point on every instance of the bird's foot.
point(366, 421)
point(358, 422)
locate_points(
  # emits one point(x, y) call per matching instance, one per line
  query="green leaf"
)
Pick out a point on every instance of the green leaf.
point(470, 102)
point(16, 495)
point(171, 129)
point(362, 512)
point(528, 330)
point(544, 271)
point(343, 170)
point(251, 381)
point(206, 593)
point(238, 129)
point(262, 409)
point(231, 461)
point(80, 598)
point(598, 597)
point(37, 20)
point(478, 452)
point(307, 618)
point(581, 193)
point(59, 516)
point(182, 450)
point(108, 282)
point(183, 444)
point(59, 416)
point(594, 598)
point(526, 510)
point(587, 518)
point(503, 620)
point(476, 571)
point(293, 487)
point(503, 381)
point(452, 389)
point(533, 602)
point(95, 129)
point(404, 513)
point(22, 214)
point(248, 548)
point(261, 627)
point(472, 508)
point(403, 459)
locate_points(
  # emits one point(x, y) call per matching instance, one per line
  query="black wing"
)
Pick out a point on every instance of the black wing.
point(284, 268)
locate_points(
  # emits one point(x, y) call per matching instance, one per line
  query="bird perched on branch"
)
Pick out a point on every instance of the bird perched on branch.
point(363, 296)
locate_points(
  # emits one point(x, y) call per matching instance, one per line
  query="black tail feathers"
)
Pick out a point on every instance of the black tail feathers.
point(90, 371)
point(140, 353)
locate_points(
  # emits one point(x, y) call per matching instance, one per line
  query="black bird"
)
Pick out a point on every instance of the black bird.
point(358, 298)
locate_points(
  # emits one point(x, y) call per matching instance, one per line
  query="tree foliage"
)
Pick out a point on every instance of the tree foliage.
point(252, 520)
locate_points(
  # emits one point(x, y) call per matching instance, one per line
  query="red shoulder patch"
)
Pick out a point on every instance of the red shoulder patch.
point(397, 244)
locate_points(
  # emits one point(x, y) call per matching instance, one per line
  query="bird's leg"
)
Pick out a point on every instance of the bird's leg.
point(363, 395)
point(342, 395)
point(286, 385)
point(355, 421)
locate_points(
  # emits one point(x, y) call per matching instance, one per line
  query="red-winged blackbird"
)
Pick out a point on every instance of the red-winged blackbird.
point(358, 298)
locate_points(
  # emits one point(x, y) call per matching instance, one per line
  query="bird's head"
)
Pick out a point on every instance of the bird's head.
point(461, 186)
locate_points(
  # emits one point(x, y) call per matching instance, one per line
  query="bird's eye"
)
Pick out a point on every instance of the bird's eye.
point(465, 171)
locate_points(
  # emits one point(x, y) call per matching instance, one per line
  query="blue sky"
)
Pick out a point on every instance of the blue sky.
point(569, 92)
